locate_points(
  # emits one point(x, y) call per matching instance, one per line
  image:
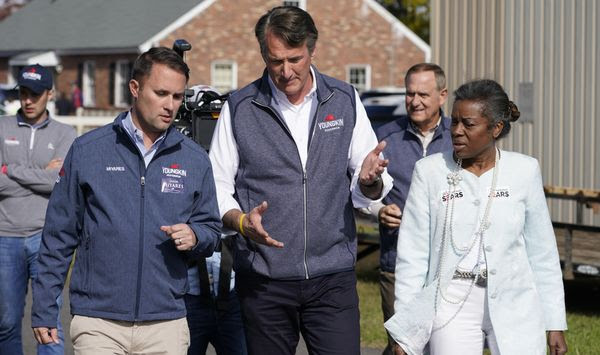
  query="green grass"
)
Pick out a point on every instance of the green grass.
point(372, 333)
point(582, 299)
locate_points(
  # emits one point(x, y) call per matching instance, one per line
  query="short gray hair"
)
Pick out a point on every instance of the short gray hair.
point(438, 72)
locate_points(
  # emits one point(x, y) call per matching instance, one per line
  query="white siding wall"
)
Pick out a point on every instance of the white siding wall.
point(553, 48)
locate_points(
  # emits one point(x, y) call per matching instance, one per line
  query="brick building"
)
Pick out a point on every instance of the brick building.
point(94, 42)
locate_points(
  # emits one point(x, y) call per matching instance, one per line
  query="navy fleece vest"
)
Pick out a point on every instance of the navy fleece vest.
point(309, 211)
point(404, 149)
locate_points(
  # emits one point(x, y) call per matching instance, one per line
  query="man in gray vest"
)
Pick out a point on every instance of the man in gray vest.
point(292, 153)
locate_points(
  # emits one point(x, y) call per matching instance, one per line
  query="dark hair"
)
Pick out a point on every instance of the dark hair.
point(496, 105)
point(438, 72)
point(290, 23)
point(160, 55)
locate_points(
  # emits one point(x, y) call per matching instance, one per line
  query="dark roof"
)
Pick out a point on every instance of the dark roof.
point(76, 25)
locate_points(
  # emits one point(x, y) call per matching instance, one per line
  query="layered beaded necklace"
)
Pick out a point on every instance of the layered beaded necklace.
point(454, 179)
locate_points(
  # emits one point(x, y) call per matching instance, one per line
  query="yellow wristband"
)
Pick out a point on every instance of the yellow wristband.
point(242, 224)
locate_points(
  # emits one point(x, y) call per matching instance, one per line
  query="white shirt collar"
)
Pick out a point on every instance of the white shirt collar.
point(281, 98)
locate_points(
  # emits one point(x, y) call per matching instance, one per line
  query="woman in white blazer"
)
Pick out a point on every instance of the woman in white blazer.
point(477, 257)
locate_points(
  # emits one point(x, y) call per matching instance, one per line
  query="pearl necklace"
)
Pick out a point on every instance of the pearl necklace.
point(454, 179)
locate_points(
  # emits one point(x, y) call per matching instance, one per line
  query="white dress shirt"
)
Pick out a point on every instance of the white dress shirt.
point(224, 152)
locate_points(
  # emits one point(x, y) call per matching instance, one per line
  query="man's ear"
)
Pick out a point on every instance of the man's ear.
point(134, 88)
point(443, 96)
point(314, 51)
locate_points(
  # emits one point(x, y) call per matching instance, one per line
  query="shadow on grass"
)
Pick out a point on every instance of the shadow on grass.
point(582, 295)
point(367, 268)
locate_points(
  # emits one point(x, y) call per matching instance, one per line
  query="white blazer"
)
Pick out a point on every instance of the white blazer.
point(525, 289)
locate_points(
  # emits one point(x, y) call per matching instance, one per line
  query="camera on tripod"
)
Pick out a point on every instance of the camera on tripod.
point(197, 116)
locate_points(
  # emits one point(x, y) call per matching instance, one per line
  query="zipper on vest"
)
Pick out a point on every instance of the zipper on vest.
point(141, 244)
point(304, 177)
point(305, 222)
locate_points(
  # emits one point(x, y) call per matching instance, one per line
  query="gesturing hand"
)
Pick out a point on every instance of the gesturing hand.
point(252, 228)
point(373, 166)
point(183, 236)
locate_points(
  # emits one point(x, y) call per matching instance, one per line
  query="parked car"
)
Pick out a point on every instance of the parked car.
point(384, 104)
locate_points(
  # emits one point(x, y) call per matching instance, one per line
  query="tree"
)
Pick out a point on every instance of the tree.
point(413, 13)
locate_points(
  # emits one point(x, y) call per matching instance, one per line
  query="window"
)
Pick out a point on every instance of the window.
point(359, 75)
point(89, 83)
point(223, 75)
point(300, 3)
point(122, 74)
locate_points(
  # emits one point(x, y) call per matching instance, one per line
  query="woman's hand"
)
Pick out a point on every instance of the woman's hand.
point(398, 350)
point(557, 342)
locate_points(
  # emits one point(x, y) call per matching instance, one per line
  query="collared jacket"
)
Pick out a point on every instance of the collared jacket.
point(310, 209)
point(404, 148)
point(109, 207)
point(525, 291)
point(26, 187)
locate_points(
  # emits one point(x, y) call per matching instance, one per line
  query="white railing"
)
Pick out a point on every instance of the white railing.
point(85, 123)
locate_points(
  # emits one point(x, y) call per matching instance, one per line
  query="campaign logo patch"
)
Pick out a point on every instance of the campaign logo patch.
point(451, 195)
point(171, 185)
point(174, 170)
point(330, 123)
point(32, 75)
point(11, 141)
point(502, 192)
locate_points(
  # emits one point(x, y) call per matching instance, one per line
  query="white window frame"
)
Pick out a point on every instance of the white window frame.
point(121, 79)
point(88, 85)
point(232, 85)
point(301, 4)
point(367, 68)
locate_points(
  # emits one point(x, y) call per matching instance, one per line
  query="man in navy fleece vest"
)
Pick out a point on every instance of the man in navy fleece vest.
point(293, 152)
point(423, 131)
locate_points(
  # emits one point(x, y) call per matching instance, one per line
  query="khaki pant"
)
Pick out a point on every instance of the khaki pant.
point(97, 336)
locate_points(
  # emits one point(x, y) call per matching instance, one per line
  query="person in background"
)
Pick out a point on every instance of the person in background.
point(136, 199)
point(477, 259)
point(213, 308)
point(32, 149)
point(423, 131)
point(63, 105)
point(77, 98)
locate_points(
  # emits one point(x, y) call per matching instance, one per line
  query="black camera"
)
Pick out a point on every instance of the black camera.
point(200, 109)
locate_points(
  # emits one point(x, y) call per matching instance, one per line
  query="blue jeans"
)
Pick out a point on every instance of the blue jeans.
point(18, 264)
point(223, 329)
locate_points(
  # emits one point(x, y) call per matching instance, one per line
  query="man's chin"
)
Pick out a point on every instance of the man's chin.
point(418, 116)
